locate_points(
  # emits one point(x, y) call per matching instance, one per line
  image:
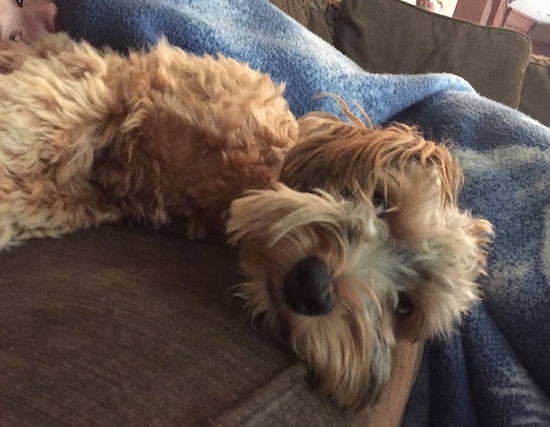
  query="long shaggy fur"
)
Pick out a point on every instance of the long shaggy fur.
point(378, 208)
point(161, 138)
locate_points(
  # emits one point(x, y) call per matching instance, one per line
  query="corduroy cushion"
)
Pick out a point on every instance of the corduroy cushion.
point(120, 326)
point(535, 93)
point(391, 36)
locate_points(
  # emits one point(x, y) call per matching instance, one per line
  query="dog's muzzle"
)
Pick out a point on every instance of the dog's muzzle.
point(307, 287)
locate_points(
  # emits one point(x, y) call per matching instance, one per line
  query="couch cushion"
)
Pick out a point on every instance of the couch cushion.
point(315, 15)
point(121, 326)
point(535, 92)
point(391, 36)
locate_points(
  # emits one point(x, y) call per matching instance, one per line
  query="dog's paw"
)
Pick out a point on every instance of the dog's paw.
point(108, 214)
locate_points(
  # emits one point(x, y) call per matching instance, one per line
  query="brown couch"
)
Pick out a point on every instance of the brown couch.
point(391, 36)
point(122, 326)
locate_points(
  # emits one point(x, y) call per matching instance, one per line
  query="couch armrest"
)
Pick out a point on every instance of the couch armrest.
point(389, 410)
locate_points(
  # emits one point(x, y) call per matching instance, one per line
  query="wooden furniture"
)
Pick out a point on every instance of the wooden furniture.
point(484, 12)
point(494, 13)
point(517, 20)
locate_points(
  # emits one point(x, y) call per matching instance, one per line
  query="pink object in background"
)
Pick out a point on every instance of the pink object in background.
point(431, 5)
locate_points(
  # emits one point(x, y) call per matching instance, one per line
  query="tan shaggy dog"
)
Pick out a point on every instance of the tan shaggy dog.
point(160, 138)
point(359, 244)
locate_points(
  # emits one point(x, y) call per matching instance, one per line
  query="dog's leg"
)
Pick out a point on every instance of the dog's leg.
point(42, 210)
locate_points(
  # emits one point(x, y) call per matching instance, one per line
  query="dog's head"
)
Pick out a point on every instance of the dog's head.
point(360, 245)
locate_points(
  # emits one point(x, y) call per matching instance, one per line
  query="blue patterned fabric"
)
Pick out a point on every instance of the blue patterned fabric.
point(503, 347)
point(496, 369)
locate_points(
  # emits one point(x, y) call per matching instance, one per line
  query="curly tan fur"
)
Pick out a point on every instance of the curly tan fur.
point(162, 138)
point(377, 209)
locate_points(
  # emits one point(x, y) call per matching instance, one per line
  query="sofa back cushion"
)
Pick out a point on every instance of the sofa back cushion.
point(391, 36)
point(535, 92)
point(315, 15)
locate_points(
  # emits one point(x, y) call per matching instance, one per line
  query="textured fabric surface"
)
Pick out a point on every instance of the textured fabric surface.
point(535, 92)
point(391, 36)
point(284, 401)
point(312, 14)
point(121, 326)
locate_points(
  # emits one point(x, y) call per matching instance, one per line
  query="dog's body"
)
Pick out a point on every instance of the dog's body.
point(360, 244)
point(159, 137)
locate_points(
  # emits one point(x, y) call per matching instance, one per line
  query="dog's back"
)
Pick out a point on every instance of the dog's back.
point(161, 135)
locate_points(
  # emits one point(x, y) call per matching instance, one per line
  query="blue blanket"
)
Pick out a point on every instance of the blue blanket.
point(495, 370)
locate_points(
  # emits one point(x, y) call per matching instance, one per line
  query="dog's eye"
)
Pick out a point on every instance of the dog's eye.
point(19, 3)
point(405, 306)
point(16, 36)
point(379, 203)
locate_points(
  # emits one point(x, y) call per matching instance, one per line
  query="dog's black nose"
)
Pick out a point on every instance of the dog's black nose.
point(307, 287)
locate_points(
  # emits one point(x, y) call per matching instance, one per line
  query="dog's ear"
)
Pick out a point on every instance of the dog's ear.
point(326, 156)
point(440, 158)
point(448, 290)
point(355, 160)
point(482, 232)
